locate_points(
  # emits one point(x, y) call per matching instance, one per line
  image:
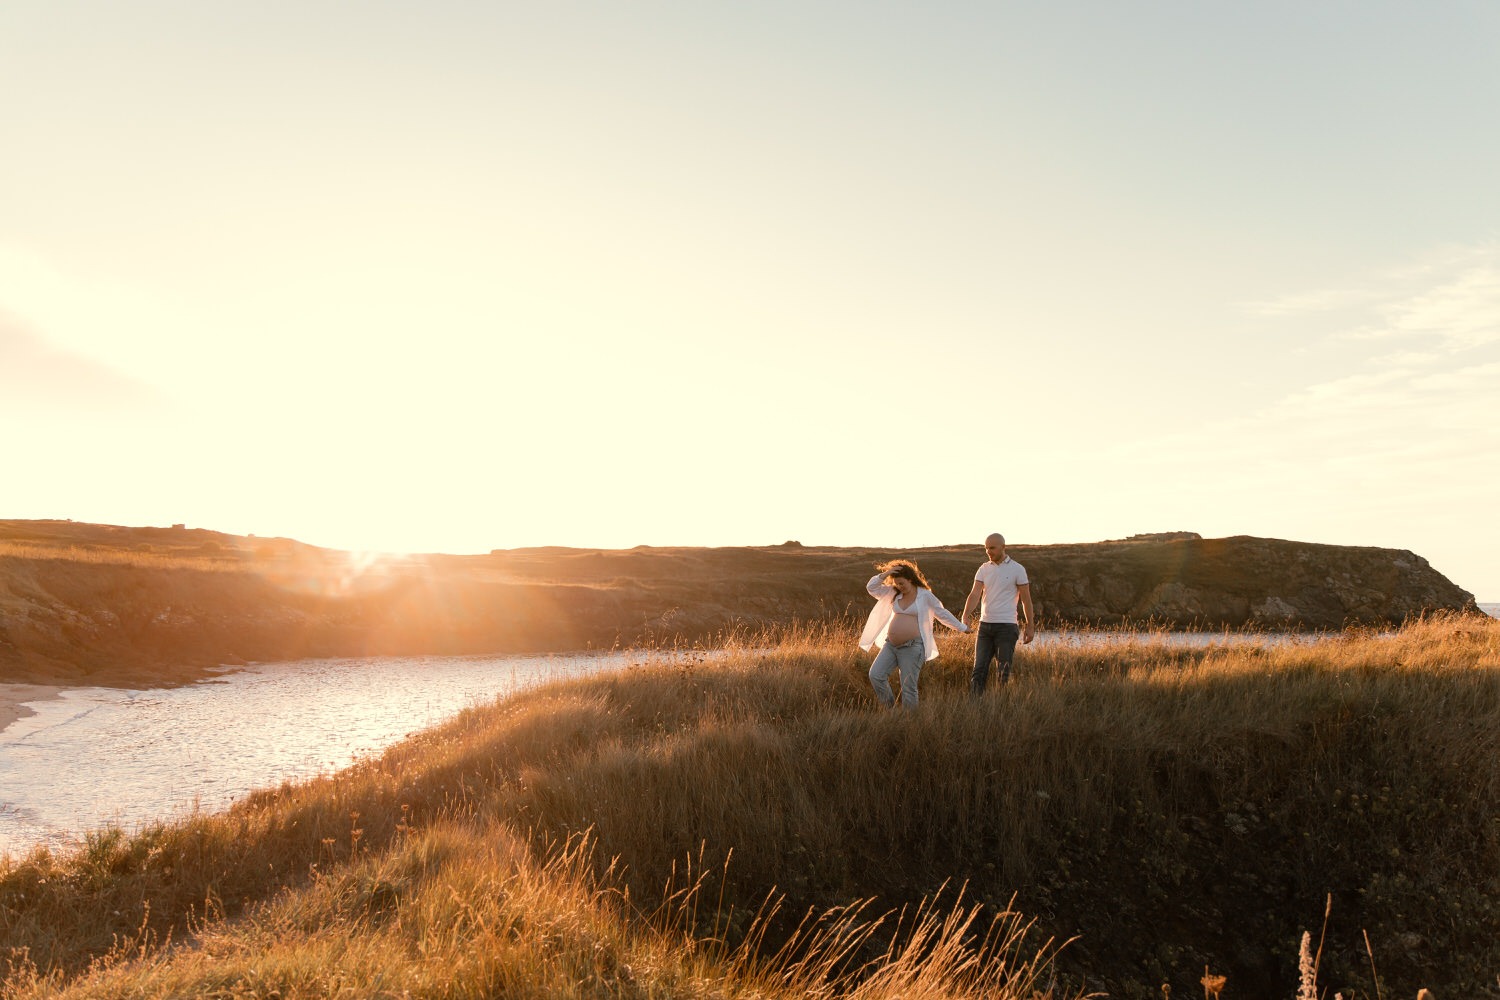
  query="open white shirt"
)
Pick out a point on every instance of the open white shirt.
point(926, 607)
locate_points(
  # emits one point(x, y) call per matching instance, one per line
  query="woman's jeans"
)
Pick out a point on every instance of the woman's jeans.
point(907, 658)
point(996, 641)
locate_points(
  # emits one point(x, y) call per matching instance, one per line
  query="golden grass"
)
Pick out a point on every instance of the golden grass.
point(460, 910)
point(114, 555)
point(621, 835)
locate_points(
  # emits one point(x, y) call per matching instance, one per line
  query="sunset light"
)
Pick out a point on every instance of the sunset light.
point(469, 278)
point(798, 498)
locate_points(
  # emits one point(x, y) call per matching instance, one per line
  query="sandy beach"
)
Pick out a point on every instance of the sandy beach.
point(13, 699)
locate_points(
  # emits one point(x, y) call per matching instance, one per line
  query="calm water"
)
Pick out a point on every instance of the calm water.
point(102, 755)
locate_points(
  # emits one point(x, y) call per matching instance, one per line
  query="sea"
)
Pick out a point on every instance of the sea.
point(107, 756)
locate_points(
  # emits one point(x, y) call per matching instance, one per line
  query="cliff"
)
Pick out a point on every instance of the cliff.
point(83, 603)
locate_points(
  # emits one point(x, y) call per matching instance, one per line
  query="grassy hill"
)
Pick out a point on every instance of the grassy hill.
point(112, 604)
point(1173, 809)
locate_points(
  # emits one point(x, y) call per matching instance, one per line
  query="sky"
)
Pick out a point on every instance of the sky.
point(457, 276)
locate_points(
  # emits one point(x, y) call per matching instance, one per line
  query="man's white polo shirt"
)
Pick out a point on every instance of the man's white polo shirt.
point(1001, 581)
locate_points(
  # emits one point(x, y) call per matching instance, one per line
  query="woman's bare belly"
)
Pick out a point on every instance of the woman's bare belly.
point(903, 629)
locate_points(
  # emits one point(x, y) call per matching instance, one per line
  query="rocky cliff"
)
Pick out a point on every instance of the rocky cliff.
point(104, 604)
point(1236, 582)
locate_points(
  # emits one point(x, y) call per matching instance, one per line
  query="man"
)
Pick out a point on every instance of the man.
point(998, 585)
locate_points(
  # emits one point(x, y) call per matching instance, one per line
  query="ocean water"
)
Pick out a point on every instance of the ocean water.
point(103, 755)
point(1493, 610)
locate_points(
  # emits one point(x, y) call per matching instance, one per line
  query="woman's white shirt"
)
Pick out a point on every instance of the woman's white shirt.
point(926, 607)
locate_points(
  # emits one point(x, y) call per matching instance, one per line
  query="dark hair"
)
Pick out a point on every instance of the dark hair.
point(904, 568)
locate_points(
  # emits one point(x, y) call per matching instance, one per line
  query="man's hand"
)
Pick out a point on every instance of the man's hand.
point(1027, 635)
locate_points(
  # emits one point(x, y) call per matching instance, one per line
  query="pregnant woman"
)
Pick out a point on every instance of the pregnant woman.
point(901, 625)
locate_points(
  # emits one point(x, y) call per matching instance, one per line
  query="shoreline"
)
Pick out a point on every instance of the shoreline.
point(15, 697)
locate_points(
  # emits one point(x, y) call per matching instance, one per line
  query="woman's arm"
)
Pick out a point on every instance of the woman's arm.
point(945, 616)
point(877, 589)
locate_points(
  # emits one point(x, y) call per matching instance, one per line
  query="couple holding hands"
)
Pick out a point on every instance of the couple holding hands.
point(900, 624)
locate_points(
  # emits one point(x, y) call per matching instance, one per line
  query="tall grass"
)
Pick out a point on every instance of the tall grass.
point(224, 560)
point(666, 830)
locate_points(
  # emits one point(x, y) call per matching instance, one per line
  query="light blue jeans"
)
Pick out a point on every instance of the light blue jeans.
point(907, 658)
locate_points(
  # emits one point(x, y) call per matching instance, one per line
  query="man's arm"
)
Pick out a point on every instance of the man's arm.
point(1028, 617)
point(976, 594)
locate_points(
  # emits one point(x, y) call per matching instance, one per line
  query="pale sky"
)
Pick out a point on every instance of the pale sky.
point(455, 276)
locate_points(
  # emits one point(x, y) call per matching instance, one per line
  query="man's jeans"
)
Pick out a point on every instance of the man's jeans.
point(907, 658)
point(997, 641)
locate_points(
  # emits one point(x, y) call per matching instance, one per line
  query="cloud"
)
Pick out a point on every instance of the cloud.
point(1407, 373)
point(1461, 313)
point(1401, 405)
point(1445, 303)
point(38, 378)
point(1408, 359)
point(1327, 300)
point(1341, 392)
point(1442, 316)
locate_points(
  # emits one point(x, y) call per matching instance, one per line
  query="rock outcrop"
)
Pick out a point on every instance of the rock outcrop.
point(1236, 582)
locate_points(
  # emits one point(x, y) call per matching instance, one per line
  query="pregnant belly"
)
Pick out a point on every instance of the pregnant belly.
point(903, 629)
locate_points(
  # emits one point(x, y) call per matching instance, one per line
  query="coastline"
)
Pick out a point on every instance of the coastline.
point(15, 697)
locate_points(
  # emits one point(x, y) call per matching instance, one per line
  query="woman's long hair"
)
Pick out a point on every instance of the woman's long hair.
point(905, 569)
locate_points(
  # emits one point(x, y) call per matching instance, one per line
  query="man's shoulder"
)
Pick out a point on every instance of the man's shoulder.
point(1008, 570)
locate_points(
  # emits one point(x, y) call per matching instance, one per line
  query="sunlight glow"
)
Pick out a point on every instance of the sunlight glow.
point(498, 276)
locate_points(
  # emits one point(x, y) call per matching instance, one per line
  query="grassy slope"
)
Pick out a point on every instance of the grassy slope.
point(1174, 808)
point(103, 604)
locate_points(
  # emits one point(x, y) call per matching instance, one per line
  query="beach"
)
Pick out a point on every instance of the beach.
point(14, 697)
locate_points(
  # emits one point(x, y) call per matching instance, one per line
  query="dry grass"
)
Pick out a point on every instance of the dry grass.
point(228, 560)
point(451, 912)
point(621, 835)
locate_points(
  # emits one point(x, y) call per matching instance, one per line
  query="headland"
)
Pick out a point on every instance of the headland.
point(133, 606)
